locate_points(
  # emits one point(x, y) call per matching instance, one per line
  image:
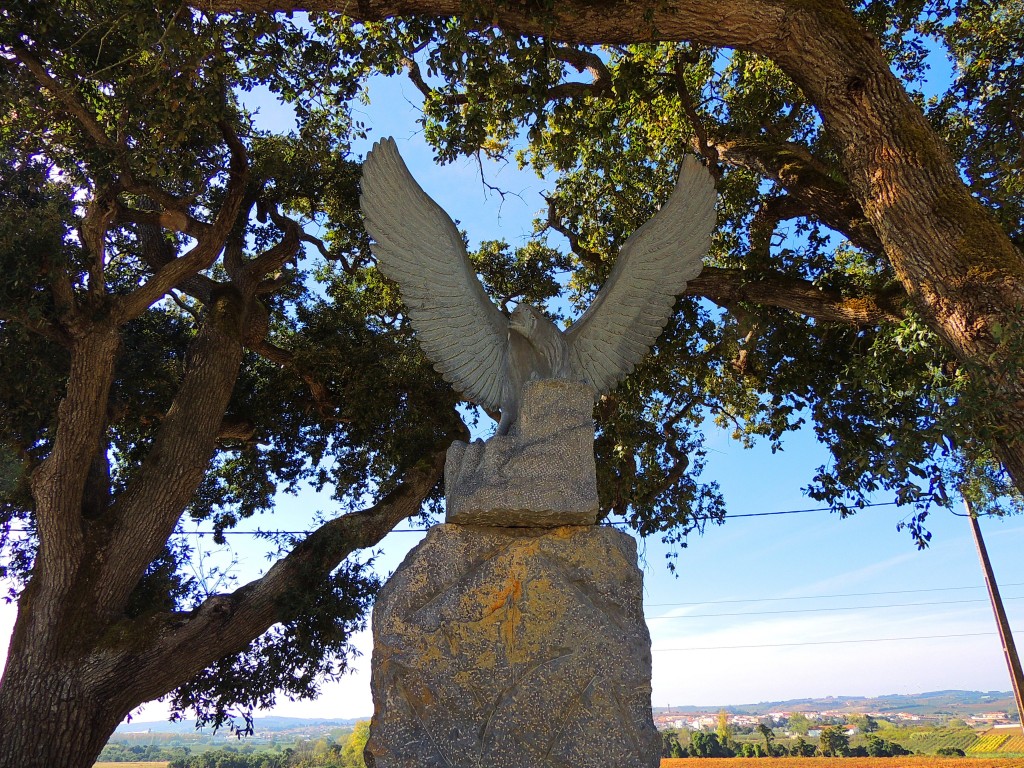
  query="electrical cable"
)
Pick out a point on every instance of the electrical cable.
point(617, 523)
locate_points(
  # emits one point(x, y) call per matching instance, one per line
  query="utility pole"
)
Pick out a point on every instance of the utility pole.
point(1005, 635)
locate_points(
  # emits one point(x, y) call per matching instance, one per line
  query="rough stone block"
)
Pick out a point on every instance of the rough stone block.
point(513, 648)
point(541, 474)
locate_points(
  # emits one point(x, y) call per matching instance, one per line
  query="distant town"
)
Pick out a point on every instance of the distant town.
point(667, 718)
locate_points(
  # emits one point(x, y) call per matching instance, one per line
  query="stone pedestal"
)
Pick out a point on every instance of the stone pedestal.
point(513, 648)
point(541, 473)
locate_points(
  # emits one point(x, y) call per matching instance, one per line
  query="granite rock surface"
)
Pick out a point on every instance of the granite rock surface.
point(513, 648)
point(540, 474)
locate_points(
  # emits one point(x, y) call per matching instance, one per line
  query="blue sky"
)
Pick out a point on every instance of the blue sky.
point(763, 608)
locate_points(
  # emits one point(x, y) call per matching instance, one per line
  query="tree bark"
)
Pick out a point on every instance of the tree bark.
point(728, 286)
point(49, 715)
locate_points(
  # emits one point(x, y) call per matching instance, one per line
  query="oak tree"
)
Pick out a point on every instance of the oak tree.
point(171, 354)
point(190, 320)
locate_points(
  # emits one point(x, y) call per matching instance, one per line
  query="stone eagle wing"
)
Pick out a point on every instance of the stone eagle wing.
point(655, 262)
point(418, 246)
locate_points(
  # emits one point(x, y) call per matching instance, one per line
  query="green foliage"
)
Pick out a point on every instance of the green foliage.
point(723, 729)
point(931, 740)
point(802, 748)
point(293, 659)
point(866, 723)
point(319, 753)
point(704, 744)
point(670, 744)
point(352, 752)
point(799, 723)
point(988, 743)
point(879, 747)
point(770, 748)
point(225, 759)
point(122, 753)
point(833, 742)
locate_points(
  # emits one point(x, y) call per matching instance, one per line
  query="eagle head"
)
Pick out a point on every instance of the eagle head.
point(525, 320)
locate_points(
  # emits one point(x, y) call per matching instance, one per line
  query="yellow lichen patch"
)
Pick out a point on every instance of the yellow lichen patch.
point(431, 653)
point(512, 593)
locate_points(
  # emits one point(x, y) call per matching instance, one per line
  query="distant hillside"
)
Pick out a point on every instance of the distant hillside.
point(270, 723)
point(950, 703)
point(955, 703)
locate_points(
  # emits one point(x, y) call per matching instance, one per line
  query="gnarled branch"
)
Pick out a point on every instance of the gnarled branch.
point(821, 195)
point(226, 624)
point(202, 255)
point(65, 96)
point(727, 286)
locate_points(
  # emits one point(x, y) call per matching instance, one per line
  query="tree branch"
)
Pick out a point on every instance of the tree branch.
point(99, 215)
point(727, 286)
point(38, 325)
point(235, 430)
point(206, 249)
point(169, 219)
point(58, 485)
point(806, 180)
point(325, 406)
point(226, 624)
point(274, 258)
point(554, 221)
point(158, 253)
point(581, 60)
point(416, 75)
point(150, 507)
point(64, 95)
point(706, 148)
point(765, 221)
point(584, 61)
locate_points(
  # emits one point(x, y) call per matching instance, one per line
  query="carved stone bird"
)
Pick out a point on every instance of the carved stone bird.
point(486, 356)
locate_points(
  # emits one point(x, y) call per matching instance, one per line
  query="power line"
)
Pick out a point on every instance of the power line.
point(617, 523)
point(823, 597)
point(801, 511)
point(819, 610)
point(423, 530)
point(819, 642)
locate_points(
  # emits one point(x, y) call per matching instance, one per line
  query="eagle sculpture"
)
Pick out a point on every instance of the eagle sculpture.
point(488, 356)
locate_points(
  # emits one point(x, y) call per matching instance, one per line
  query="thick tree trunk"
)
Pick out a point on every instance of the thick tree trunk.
point(52, 714)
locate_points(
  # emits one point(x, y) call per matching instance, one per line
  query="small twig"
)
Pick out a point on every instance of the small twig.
point(185, 307)
point(65, 95)
point(554, 222)
point(704, 146)
point(483, 180)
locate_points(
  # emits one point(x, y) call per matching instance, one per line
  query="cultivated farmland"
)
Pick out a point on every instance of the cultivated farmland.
point(914, 761)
